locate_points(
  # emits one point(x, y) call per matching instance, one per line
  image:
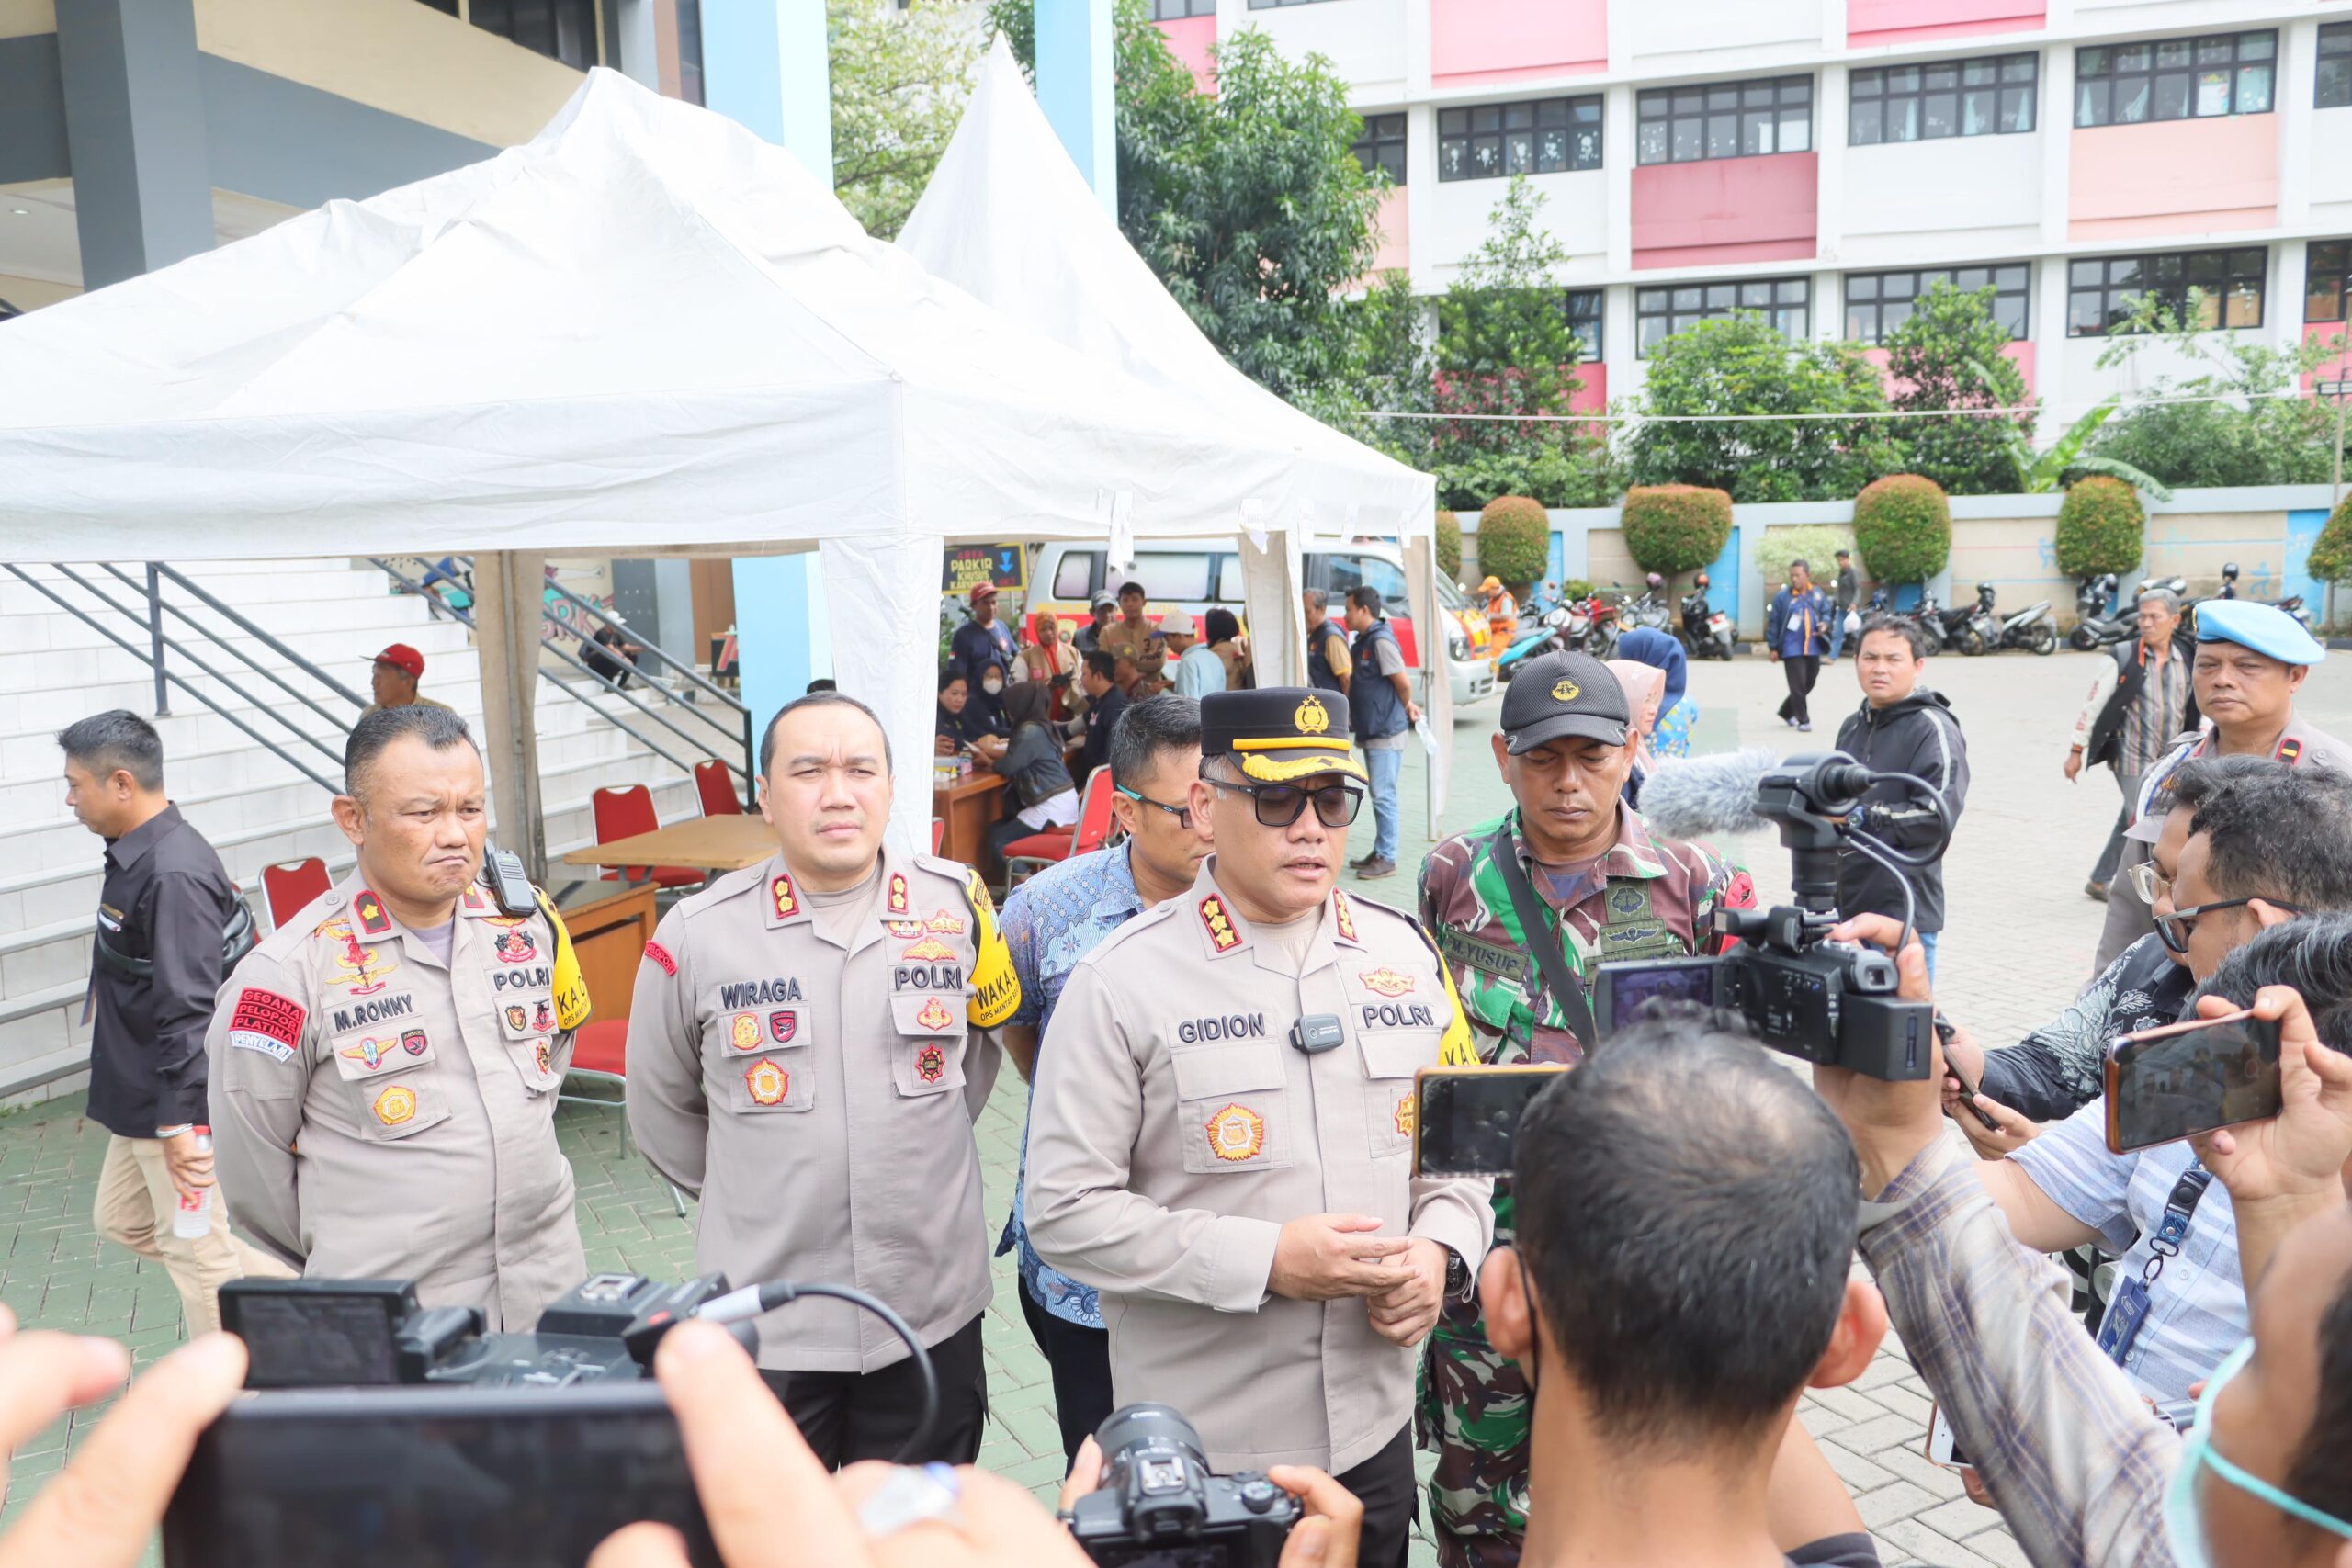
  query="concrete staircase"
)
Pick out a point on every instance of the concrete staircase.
point(254, 808)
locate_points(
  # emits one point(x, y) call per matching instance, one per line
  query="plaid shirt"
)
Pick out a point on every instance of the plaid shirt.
point(2058, 1432)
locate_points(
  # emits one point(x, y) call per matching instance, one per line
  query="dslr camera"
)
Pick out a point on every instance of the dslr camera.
point(1829, 1003)
point(1159, 1506)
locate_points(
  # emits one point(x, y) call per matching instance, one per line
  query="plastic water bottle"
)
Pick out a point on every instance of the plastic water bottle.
point(194, 1217)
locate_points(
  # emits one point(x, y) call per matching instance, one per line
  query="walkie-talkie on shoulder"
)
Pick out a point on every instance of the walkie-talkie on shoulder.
point(502, 872)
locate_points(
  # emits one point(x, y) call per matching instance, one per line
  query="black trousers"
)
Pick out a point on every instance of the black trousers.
point(1080, 1359)
point(1391, 1499)
point(1801, 673)
point(847, 1416)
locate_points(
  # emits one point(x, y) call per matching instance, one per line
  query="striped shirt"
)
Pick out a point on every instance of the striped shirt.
point(2196, 1307)
point(2157, 716)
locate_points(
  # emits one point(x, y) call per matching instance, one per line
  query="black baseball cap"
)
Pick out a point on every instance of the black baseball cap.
point(1563, 694)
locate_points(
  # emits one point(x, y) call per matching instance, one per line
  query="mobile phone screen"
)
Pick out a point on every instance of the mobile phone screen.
point(432, 1478)
point(2167, 1084)
point(1468, 1118)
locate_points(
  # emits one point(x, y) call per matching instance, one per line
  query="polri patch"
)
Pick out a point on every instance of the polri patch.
point(766, 1083)
point(268, 1022)
point(516, 946)
point(660, 956)
point(743, 1031)
point(396, 1105)
point(1236, 1133)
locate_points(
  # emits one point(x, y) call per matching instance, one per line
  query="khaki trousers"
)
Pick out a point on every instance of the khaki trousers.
point(137, 1203)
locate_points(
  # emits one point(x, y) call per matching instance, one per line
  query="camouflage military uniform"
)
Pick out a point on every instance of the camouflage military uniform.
point(1650, 898)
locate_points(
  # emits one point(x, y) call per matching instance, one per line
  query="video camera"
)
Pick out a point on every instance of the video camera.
point(1159, 1506)
point(1829, 1003)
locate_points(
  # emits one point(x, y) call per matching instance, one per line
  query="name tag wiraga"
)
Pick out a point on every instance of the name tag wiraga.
point(1492, 958)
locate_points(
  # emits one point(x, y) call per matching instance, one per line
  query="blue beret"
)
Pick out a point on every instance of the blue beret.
point(2265, 629)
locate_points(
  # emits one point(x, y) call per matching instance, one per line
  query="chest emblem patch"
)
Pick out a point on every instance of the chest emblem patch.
point(788, 903)
point(539, 1055)
point(944, 924)
point(906, 930)
point(514, 946)
point(766, 1083)
point(784, 1025)
point(543, 1014)
point(518, 1017)
point(363, 967)
point(369, 1054)
point(930, 950)
point(1387, 981)
point(930, 1064)
point(743, 1031)
point(1408, 1113)
point(933, 1015)
point(412, 1042)
point(1236, 1133)
point(396, 1105)
point(897, 903)
point(268, 1022)
point(1221, 936)
point(1341, 916)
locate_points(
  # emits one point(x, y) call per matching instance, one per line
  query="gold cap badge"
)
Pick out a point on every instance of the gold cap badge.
point(1566, 691)
point(1312, 718)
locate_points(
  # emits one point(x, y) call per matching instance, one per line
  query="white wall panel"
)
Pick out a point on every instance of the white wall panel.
point(1576, 209)
point(1364, 40)
point(1947, 200)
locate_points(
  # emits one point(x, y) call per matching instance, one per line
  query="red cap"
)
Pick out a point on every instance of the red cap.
point(404, 659)
point(982, 590)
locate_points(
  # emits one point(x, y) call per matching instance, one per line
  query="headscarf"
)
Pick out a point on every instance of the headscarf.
point(1645, 645)
point(1642, 683)
point(1025, 704)
point(983, 714)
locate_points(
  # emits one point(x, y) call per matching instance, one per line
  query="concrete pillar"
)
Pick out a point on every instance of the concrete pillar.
point(1074, 88)
point(765, 67)
point(134, 131)
point(506, 633)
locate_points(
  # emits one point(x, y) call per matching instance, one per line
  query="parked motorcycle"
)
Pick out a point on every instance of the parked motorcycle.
point(1549, 635)
point(1605, 617)
point(1954, 628)
point(2292, 604)
point(2094, 625)
point(1705, 631)
point(1649, 608)
point(2031, 627)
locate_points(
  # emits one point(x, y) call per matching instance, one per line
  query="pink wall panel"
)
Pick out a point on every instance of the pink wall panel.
point(2017, 354)
point(1396, 223)
point(1725, 210)
point(2175, 176)
point(1190, 38)
point(2338, 366)
point(1907, 21)
point(1593, 396)
point(1490, 42)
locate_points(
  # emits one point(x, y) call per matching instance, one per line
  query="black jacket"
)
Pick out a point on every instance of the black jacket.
point(1101, 717)
point(2106, 741)
point(166, 900)
point(1916, 736)
point(2060, 1067)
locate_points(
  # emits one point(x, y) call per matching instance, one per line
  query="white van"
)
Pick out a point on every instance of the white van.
point(1190, 576)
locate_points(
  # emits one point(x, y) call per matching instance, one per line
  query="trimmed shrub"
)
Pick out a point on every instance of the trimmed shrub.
point(1514, 541)
point(2331, 558)
point(1903, 528)
point(2099, 525)
point(1675, 528)
point(1449, 544)
point(1815, 544)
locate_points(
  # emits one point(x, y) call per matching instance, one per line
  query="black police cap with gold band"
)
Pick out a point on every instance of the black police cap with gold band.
point(1277, 734)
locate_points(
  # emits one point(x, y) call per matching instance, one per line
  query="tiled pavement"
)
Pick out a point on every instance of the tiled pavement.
point(2020, 944)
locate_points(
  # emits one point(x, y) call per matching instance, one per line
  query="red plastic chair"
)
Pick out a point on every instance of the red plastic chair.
point(938, 833)
point(1024, 858)
point(717, 790)
point(600, 1053)
point(624, 813)
point(290, 884)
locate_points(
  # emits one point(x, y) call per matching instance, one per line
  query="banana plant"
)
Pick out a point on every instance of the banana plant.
point(2040, 472)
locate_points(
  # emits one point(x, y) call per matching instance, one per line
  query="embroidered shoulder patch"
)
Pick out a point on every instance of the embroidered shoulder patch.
point(659, 954)
point(268, 1022)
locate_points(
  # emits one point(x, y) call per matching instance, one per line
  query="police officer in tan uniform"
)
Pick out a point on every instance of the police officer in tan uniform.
point(1222, 1133)
point(803, 1054)
point(384, 1067)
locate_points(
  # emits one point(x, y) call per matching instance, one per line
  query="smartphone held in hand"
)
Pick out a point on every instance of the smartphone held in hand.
point(2171, 1083)
point(1465, 1119)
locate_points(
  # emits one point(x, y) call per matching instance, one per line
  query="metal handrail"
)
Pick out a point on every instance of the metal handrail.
point(725, 696)
point(187, 653)
point(95, 625)
point(551, 646)
point(288, 686)
point(237, 619)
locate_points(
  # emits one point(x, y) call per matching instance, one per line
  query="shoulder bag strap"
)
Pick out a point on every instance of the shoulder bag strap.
point(1534, 924)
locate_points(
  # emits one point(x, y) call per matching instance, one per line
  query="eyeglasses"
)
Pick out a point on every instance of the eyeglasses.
point(2175, 929)
point(1279, 806)
point(1184, 813)
point(2148, 882)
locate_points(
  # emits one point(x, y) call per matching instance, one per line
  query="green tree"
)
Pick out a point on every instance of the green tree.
point(900, 82)
point(1449, 544)
point(1947, 354)
point(2331, 557)
point(1739, 365)
point(1514, 541)
point(2254, 435)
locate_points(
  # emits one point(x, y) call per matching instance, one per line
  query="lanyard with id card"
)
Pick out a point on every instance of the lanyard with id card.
point(2127, 1313)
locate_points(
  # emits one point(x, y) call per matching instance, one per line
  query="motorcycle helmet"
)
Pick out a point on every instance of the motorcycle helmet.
point(2229, 571)
point(1654, 582)
point(1700, 581)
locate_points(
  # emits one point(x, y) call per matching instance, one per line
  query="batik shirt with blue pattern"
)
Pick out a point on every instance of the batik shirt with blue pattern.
point(1050, 922)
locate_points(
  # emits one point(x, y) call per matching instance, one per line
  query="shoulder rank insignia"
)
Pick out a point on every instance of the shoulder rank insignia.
point(374, 918)
point(788, 903)
point(897, 904)
point(2291, 750)
point(1221, 936)
point(1341, 916)
point(471, 898)
point(1387, 981)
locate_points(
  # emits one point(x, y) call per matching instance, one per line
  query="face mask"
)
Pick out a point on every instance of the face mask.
point(2184, 1525)
point(991, 687)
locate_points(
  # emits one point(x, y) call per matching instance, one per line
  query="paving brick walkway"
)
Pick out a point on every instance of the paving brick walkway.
point(2020, 944)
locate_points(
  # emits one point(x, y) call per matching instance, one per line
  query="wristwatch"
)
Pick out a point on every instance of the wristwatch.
point(1457, 1274)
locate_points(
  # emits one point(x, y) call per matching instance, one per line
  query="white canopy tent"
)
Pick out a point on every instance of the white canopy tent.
point(1007, 217)
point(645, 331)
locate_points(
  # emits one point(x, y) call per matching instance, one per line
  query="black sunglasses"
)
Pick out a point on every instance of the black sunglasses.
point(2174, 928)
point(1279, 806)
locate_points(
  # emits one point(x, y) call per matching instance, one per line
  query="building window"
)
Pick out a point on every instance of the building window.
point(2174, 78)
point(1583, 308)
point(690, 50)
point(1992, 96)
point(1658, 313)
point(1382, 146)
point(561, 30)
point(1723, 120)
point(2335, 66)
point(1878, 302)
point(2102, 292)
point(2327, 280)
point(1549, 136)
point(1177, 10)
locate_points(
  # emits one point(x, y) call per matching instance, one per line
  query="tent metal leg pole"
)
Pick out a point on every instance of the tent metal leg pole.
point(506, 627)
